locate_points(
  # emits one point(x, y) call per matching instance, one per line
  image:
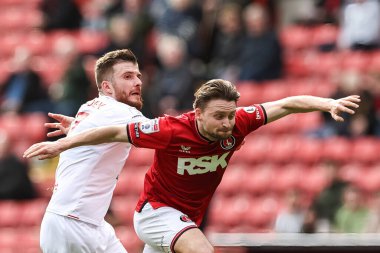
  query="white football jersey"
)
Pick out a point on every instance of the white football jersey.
point(86, 176)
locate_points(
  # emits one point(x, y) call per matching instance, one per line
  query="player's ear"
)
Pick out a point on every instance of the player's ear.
point(107, 87)
point(198, 112)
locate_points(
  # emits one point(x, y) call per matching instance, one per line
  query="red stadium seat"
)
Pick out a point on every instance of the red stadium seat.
point(34, 124)
point(313, 180)
point(287, 177)
point(250, 93)
point(352, 172)
point(366, 150)
point(369, 181)
point(308, 151)
point(337, 149)
point(295, 38)
point(140, 157)
point(32, 212)
point(10, 212)
point(234, 177)
point(259, 179)
point(326, 34)
point(357, 61)
point(129, 239)
point(123, 208)
point(283, 147)
point(254, 150)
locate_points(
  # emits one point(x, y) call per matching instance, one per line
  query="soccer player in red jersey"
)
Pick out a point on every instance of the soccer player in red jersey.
point(191, 154)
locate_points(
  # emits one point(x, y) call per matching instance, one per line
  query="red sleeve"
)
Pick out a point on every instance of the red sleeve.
point(250, 118)
point(154, 133)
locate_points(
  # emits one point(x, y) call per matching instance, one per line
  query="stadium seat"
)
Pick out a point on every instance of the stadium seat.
point(287, 177)
point(309, 149)
point(365, 150)
point(123, 208)
point(374, 65)
point(10, 212)
point(369, 181)
point(295, 38)
point(356, 61)
point(352, 172)
point(254, 150)
point(8, 239)
point(90, 41)
point(234, 178)
point(337, 149)
point(324, 35)
point(12, 125)
point(131, 180)
point(324, 64)
point(263, 211)
point(32, 211)
point(283, 147)
point(259, 179)
point(129, 239)
point(250, 93)
point(313, 180)
point(140, 157)
point(35, 129)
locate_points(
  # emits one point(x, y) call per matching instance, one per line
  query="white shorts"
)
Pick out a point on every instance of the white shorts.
point(60, 234)
point(160, 228)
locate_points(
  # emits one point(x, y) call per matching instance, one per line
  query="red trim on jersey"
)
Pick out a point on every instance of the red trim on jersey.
point(73, 217)
point(172, 244)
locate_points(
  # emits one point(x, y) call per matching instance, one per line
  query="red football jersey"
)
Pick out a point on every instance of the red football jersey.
point(187, 168)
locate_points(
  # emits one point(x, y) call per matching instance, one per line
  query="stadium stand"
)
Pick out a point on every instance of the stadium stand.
point(279, 157)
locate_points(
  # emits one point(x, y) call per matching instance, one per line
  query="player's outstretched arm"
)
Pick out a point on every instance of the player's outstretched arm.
point(90, 137)
point(299, 104)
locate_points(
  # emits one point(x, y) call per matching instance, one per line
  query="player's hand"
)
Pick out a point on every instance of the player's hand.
point(43, 150)
point(346, 104)
point(62, 126)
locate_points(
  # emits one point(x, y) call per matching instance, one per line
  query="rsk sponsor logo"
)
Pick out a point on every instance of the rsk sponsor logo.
point(202, 164)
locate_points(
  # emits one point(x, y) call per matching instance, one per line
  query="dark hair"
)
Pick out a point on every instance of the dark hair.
point(103, 66)
point(215, 89)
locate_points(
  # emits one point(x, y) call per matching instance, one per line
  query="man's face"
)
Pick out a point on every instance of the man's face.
point(217, 120)
point(127, 83)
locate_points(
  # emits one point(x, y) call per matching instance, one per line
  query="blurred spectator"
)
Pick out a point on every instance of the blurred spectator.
point(173, 84)
point(93, 16)
point(327, 11)
point(74, 87)
point(364, 121)
point(15, 183)
point(360, 25)
point(60, 14)
point(292, 218)
point(121, 35)
point(23, 90)
point(373, 223)
point(226, 43)
point(136, 14)
point(353, 215)
point(327, 203)
point(261, 52)
point(182, 18)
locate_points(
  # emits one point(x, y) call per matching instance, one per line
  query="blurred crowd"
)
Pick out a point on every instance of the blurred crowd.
point(180, 44)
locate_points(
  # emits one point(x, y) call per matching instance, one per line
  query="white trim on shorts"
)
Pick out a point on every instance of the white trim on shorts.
point(160, 228)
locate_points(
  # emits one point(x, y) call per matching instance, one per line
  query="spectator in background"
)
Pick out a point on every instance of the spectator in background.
point(226, 43)
point(327, 203)
point(23, 90)
point(15, 183)
point(173, 84)
point(93, 16)
point(181, 18)
point(373, 223)
point(353, 215)
point(121, 35)
point(360, 25)
point(261, 53)
point(74, 87)
point(60, 14)
point(292, 218)
point(364, 122)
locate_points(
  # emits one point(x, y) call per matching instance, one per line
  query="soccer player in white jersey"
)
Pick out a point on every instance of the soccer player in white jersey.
point(86, 176)
point(191, 154)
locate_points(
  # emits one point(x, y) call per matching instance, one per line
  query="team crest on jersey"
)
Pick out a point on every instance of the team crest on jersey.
point(150, 126)
point(250, 109)
point(228, 143)
point(185, 218)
